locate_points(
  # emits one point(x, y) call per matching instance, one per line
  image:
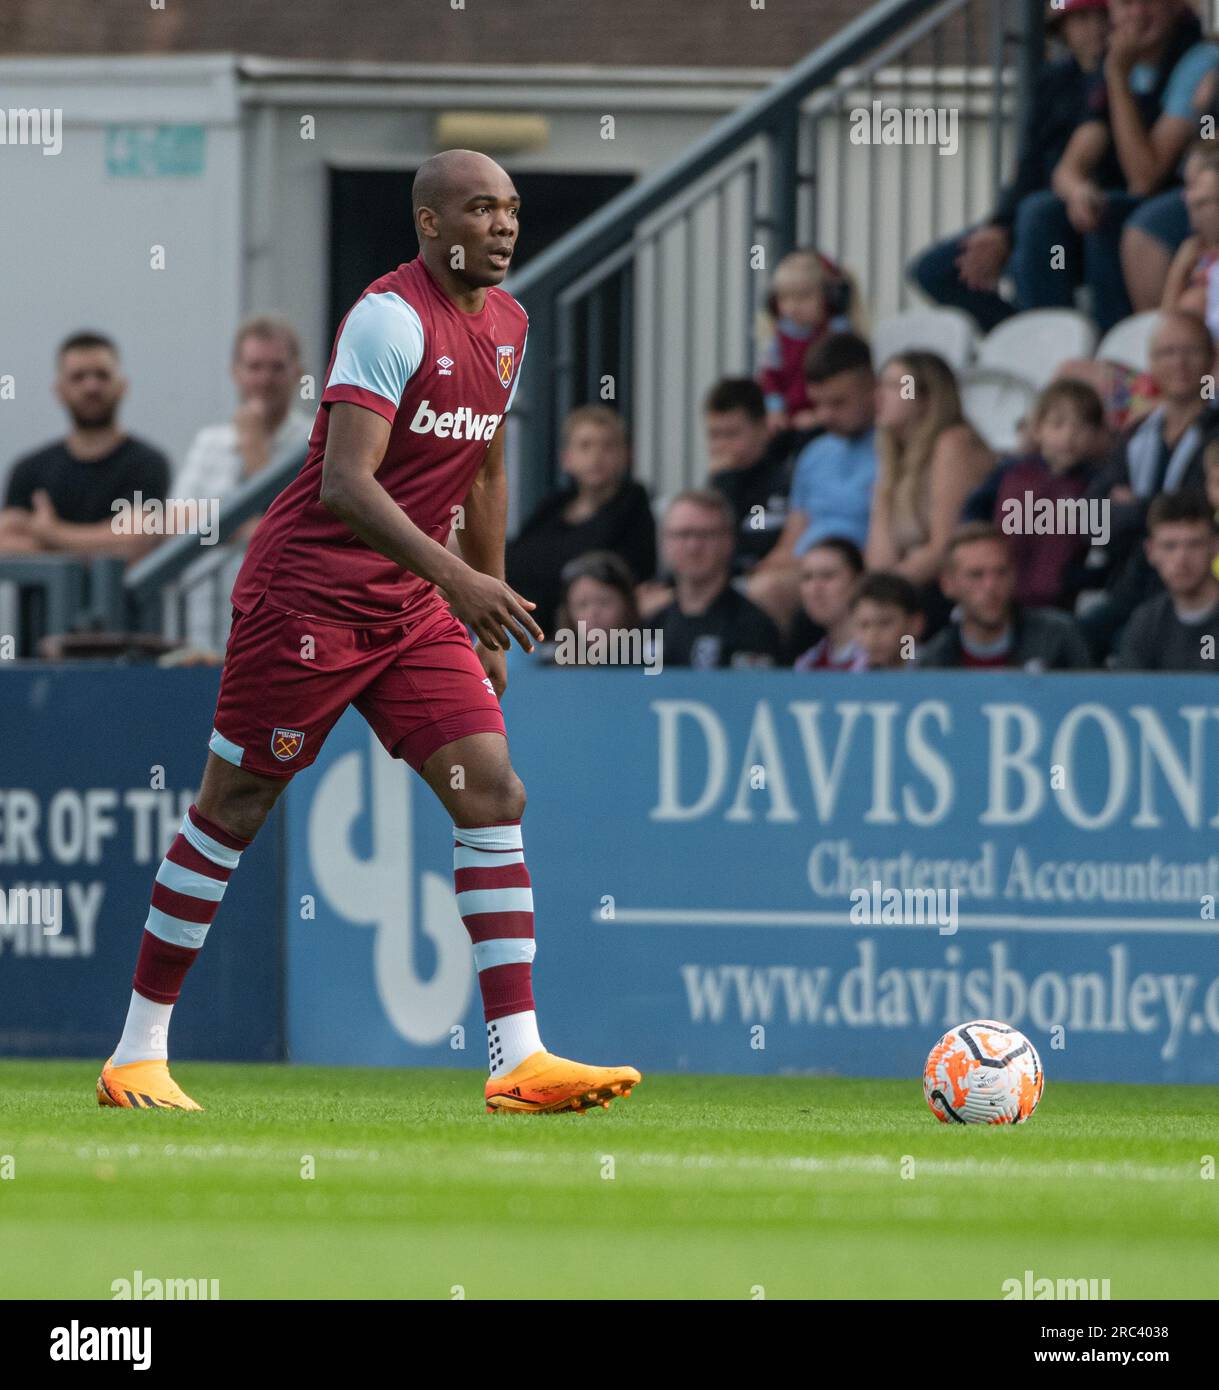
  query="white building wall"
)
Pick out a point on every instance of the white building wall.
point(79, 239)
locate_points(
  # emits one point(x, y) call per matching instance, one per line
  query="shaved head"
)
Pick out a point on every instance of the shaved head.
point(466, 210)
point(452, 176)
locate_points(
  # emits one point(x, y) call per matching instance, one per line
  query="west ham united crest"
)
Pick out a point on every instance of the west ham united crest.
point(286, 743)
point(503, 364)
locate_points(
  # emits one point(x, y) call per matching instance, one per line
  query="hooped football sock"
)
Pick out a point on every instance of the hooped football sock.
point(189, 886)
point(495, 899)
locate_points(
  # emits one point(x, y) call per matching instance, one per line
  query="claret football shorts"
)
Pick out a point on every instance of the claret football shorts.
point(288, 678)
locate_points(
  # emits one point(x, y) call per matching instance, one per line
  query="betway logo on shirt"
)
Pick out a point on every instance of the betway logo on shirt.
point(461, 423)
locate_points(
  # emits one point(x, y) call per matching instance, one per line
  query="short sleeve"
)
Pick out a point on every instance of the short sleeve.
point(379, 349)
point(148, 474)
point(22, 485)
point(1202, 59)
point(520, 367)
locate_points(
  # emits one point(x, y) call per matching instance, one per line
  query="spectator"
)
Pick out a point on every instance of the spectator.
point(965, 270)
point(1189, 280)
point(832, 488)
point(61, 498)
point(989, 630)
point(1210, 468)
point(266, 428)
point(1178, 630)
point(1069, 432)
point(752, 468)
point(598, 600)
point(809, 296)
point(603, 508)
point(888, 621)
point(930, 461)
point(828, 573)
point(1142, 114)
point(709, 624)
point(1163, 453)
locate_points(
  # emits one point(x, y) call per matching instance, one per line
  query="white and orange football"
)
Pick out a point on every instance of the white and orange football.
point(983, 1073)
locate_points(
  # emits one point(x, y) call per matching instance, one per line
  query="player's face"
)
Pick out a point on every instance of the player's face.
point(734, 439)
point(485, 227)
point(983, 581)
point(90, 386)
point(1181, 553)
point(266, 369)
point(825, 586)
point(599, 606)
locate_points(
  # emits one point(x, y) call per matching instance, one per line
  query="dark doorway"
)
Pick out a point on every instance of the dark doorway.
point(372, 231)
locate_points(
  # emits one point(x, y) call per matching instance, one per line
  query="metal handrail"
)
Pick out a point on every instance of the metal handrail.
point(552, 282)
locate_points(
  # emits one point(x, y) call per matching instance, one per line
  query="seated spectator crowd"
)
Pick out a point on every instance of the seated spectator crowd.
point(851, 516)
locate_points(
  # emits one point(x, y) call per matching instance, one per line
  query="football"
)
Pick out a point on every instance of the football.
point(983, 1073)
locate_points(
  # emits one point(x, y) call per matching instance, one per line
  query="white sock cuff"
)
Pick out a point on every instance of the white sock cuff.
point(489, 836)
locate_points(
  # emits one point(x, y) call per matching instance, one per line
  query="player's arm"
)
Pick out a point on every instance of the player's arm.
point(481, 532)
point(355, 446)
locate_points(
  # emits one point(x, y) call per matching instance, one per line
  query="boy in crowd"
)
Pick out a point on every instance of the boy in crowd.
point(1179, 629)
point(887, 621)
point(1068, 430)
point(989, 630)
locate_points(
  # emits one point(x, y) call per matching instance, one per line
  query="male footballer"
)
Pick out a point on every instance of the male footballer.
point(349, 596)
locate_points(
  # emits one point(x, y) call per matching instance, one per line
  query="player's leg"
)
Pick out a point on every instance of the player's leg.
point(436, 709)
point(186, 895)
point(475, 781)
point(279, 698)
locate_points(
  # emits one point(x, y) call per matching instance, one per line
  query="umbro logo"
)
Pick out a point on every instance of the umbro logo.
point(445, 366)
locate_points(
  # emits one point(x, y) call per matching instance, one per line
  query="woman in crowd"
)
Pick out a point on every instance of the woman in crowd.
point(597, 619)
point(930, 459)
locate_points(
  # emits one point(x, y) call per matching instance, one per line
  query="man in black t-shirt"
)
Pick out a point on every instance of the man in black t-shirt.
point(708, 624)
point(61, 498)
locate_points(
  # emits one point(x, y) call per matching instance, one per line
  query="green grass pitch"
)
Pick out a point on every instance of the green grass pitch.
point(697, 1186)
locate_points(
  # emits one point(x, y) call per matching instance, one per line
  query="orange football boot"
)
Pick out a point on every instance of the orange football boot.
point(142, 1086)
point(544, 1084)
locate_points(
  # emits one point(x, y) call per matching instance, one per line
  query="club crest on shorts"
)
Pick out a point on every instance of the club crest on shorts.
point(287, 743)
point(503, 364)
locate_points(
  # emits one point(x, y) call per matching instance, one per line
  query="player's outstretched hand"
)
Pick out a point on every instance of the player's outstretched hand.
point(496, 612)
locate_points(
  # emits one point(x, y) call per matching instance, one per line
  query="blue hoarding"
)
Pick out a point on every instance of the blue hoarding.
point(97, 767)
point(731, 869)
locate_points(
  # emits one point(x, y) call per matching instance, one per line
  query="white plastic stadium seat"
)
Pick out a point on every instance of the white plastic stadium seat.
point(1032, 344)
point(1129, 342)
point(949, 332)
point(995, 402)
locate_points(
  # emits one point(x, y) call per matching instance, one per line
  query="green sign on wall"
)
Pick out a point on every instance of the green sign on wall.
point(155, 151)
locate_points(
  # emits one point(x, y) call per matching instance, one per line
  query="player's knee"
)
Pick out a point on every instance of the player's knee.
point(242, 812)
point(507, 797)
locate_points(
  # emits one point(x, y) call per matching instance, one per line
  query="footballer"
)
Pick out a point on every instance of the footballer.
point(352, 554)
